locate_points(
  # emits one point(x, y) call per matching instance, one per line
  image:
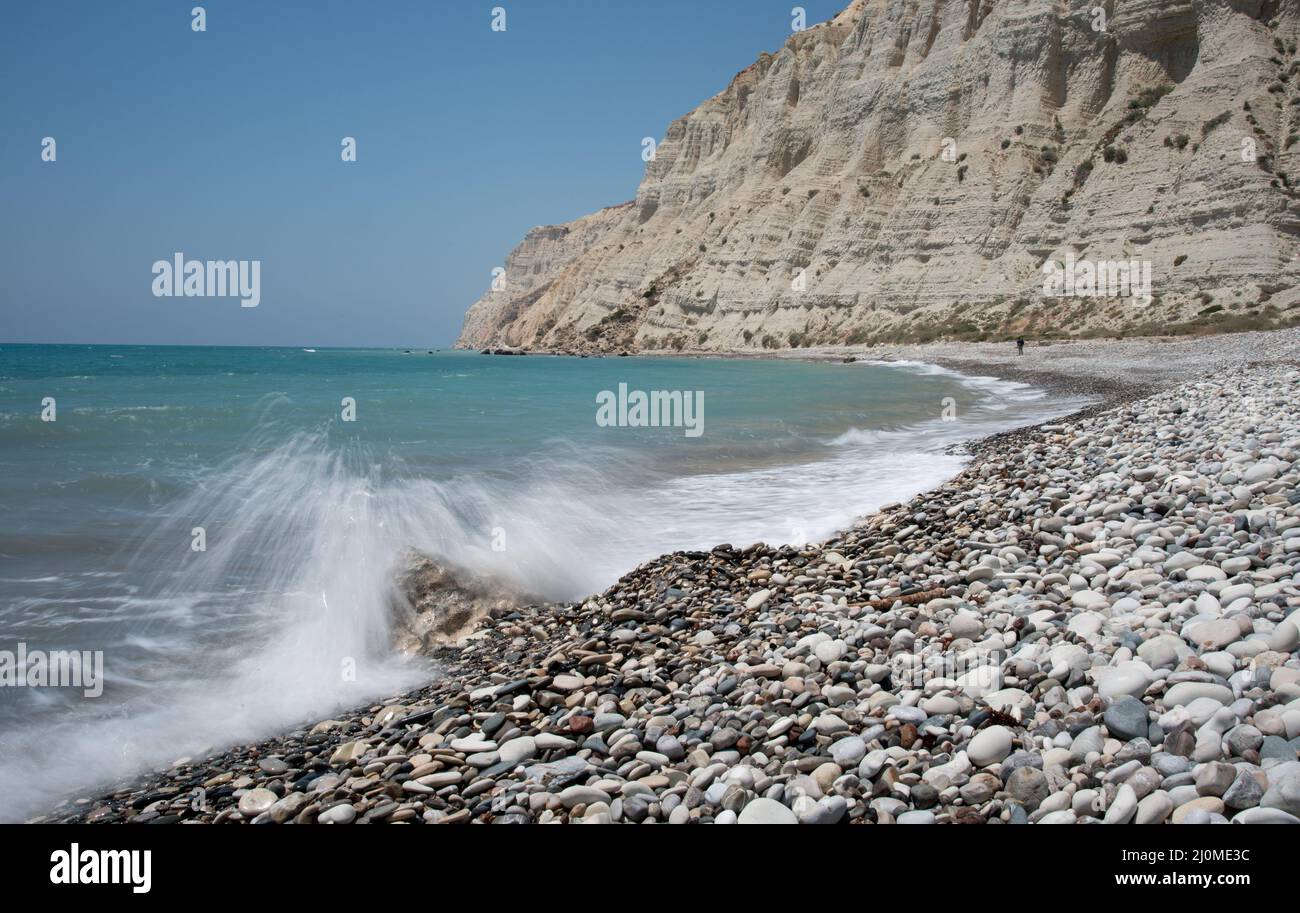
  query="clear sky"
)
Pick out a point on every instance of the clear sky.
point(225, 144)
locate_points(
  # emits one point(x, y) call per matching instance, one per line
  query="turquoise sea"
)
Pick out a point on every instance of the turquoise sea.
point(495, 464)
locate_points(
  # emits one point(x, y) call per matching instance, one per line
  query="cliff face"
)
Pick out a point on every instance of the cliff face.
point(911, 168)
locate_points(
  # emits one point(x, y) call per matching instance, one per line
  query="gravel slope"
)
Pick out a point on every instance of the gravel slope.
point(1112, 367)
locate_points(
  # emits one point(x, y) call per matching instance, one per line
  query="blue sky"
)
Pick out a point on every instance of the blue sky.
point(225, 145)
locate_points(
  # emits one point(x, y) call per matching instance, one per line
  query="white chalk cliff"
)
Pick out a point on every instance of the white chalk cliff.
point(905, 170)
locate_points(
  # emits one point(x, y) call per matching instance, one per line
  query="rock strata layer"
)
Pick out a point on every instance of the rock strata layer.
point(906, 171)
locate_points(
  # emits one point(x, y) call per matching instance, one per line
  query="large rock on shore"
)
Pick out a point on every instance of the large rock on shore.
point(436, 606)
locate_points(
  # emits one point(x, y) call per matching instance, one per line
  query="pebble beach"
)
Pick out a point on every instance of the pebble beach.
point(1095, 622)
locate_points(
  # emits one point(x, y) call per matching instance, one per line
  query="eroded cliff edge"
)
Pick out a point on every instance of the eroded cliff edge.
point(918, 162)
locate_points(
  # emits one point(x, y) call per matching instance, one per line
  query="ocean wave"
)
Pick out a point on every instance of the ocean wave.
point(993, 386)
point(119, 410)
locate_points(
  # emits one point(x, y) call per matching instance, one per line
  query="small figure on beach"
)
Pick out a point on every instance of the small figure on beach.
point(1020, 345)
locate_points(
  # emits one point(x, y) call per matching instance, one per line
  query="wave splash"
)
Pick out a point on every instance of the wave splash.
point(289, 613)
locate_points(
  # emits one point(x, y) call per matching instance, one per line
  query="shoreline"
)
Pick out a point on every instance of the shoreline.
point(1065, 366)
point(440, 771)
